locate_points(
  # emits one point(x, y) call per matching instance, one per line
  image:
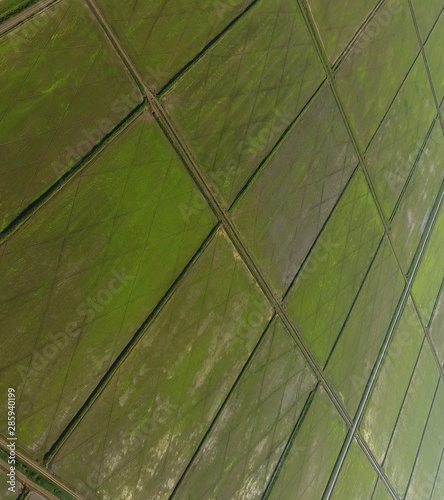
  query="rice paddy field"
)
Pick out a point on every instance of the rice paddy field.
point(221, 250)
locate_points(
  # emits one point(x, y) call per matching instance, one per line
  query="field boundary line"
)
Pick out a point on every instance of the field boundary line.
point(407, 281)
point(40, 471)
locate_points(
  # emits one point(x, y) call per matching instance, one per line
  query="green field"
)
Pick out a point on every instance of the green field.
point(83, 275)
point(166, 393)
point(392, 153)
point(58, 63)
point(338, 25)
point(324, 290)
point(435, 57)
point(189, 26)
point(311, 455)
point(221, 249)
point(417, 202)
point(239, 98)
point(424, 475)
point(354, 355)
point(293, 195)
point(358, 478)
point(7, 7)
point(251, 433)
point(367, 81)
point(436, 326)
point(429, 279)
point(426, 15)
point(413, 418)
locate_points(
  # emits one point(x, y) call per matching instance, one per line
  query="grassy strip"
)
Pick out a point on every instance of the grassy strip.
point(36, 478)
point(16, 10)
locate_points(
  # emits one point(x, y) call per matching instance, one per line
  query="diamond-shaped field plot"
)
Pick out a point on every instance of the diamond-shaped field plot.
point(6, 493)
point(355, 353)
point(338, 21)
point(326, 286)
point(162, 36)
point(311, 456)
point(81, 276)
point(395, 147)
point(434, 50)
point(392, 382)
point(242, 450)
point(429, 280)
point(285, 208)
point(415, 207)
point(357, 478)
point(238, 99)
point(58, 98)
point(373, 71)
point(140, 434)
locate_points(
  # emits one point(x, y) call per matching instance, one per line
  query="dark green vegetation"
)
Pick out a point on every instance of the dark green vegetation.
point(9, 7)
point(221, 257)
